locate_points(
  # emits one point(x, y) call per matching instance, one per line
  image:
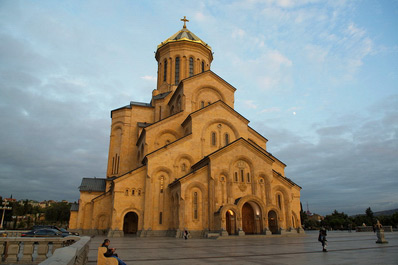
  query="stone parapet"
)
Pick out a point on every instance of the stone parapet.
point(75, 254)
point(31, 250)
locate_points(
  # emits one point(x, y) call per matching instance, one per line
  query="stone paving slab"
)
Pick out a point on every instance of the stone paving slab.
point(344, 248)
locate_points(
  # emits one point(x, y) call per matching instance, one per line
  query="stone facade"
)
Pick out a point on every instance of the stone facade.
point(187, 161)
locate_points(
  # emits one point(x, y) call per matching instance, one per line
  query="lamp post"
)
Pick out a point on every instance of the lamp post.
point(4, 207)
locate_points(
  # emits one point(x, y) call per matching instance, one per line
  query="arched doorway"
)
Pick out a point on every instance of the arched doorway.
point(248, 221)
point(273, 222)
point(130, 223)
point(230, 219)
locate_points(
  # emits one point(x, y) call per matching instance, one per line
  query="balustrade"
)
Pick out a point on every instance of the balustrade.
point(31, 250)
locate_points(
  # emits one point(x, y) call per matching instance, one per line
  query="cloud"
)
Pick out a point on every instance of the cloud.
point(250, 104)
point(149, 78)
point(353, 159)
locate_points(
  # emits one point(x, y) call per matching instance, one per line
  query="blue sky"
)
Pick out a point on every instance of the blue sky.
point(317, 78)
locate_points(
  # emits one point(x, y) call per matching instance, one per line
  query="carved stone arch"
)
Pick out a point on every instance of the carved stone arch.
point(285, 212)
point(102, 221)
point(284, 192)
point(203, 89)
point(296, 223)
point(159, 137)
point(245, 159)
point(231, 207)
point(157, 171)
point(137, 212)
point(252, 198)
point(196, 184)
point(177, 163)
point(222, 121)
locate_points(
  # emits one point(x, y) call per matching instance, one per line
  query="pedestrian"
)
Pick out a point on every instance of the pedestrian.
point(322, 238)
point(185, 234)
point(110, 252)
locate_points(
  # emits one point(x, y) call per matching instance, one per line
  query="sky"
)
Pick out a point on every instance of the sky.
point(319, 79)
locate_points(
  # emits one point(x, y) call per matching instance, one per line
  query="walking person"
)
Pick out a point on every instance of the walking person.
point(322, 238)
point(185, 234)
point(111, 252)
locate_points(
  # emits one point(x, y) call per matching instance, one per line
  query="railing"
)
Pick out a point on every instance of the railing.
point(12, 233)
point(31, 250)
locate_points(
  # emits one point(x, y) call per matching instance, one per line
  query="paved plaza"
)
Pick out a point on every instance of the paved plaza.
point(344, 248)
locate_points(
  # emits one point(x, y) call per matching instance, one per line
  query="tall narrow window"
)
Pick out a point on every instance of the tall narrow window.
point(195, 205)
point(161, 184)
point(177, 72)
point(242, 177)
point(160, 112)
point(133, 192)
point(165, 71)
point(160, 218)
point(203, 66)
point(248, 177)
point(279, 201)
point(139, 192)
point(190, 66)
point(236, 176)
point(202, 104)
point(213, 138)
point(126, 192)
point(226, 138)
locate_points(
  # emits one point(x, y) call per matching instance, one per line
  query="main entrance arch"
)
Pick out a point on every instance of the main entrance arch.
point(273, 222)
point(130, 223)
point(251, 216)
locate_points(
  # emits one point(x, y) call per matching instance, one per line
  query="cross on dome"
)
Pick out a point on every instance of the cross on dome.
point(185, 20)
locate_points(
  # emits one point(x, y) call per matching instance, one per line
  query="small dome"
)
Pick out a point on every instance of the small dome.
point(184, 35)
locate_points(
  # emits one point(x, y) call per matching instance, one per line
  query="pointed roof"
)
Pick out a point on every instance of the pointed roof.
point(184, 35)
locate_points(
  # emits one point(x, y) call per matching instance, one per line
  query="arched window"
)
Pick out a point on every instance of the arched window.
point(242, 175)
point(213, 138)
point(203, 66)
point(226, 136)
point(202, 104)
point(190, 66)
point(165, 70)
point(133, 192)
point(195, 205)
point(126, 192)
point(177, 72)
point(161, 184)
point(280, 201)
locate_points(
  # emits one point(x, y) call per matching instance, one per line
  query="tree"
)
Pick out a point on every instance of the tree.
point(58, 212)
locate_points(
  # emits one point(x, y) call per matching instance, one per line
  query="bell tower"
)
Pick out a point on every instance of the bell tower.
point(181, 56)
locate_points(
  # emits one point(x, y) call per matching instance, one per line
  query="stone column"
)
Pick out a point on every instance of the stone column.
point(56, 244)
point(12, 251)
point(28, 247)
point(42, 250)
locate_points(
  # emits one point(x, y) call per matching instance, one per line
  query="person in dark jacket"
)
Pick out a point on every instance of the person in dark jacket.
point(322, 238)
point(110, 252)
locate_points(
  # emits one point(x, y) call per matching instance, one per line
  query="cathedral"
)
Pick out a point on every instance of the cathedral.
point(187, 160)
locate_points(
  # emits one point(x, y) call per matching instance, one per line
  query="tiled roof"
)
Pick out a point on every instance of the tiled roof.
point(134, 103)
point(74, 207)
point(93, 184)
point(163, 95)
